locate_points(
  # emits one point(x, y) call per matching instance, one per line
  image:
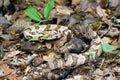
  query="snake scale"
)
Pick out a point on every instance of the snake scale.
point(72, 59)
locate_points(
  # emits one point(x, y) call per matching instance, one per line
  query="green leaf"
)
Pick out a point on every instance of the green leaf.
point(91, 56)
point(48, 9)
point(108, 48)
point(33, 39)
point(44, 37)
point(33, 14)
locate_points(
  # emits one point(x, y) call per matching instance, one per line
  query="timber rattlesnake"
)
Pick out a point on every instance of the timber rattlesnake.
point(71, 60)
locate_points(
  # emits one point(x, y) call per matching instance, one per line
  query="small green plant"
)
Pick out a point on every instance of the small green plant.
point(44, 37)
point(48, 9)
point(33, 39)
point(35, 15)
point(107, 48)
point(91, 56)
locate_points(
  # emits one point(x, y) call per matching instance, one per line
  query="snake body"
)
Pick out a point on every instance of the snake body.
point(72, 59)
point(51, 31)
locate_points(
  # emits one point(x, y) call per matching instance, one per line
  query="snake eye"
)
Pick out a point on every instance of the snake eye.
point(40, 40)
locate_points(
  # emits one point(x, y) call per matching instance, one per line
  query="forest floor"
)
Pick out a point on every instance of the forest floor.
point(17, 54)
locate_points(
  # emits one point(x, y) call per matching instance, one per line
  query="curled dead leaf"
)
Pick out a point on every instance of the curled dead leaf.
point(101, 12)
point(115, 43)
point(64, 10)
point(106, 40)
point(60, 42)
point(75, 2)
point(51, 56)
point(114, 3)
point(48, 45)
point(116, 69)
point(101, 74)
point(27, 69)
point(113, 32)
point(8, 72)
point(61, 2)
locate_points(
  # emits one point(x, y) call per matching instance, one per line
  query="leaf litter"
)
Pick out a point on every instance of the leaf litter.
point(71, 13)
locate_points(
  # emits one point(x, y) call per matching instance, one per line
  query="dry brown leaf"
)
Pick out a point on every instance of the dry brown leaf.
point(4, 67)
point(27, 69)
point(106, 40)
point(114, 3)
point(111, 74)
point(64, 10)
point(116, 69)
point(98, 72)
point(113, 32)
point(88, 5)
point(51, 56)
point(115, 43)
point(53, 13)
point(16, 16)
point(75, 2)
point(9, 73)
point(48, 45)
point(103, 3)
point(61, 2)
point(12, 53)
point(101, 12)
point(60, 42)
point(101, 74)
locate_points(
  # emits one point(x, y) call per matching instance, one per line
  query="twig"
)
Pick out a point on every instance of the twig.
point(110, 25)
point(103, 60)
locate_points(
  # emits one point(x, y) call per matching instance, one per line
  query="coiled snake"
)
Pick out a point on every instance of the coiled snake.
point(71, 60)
